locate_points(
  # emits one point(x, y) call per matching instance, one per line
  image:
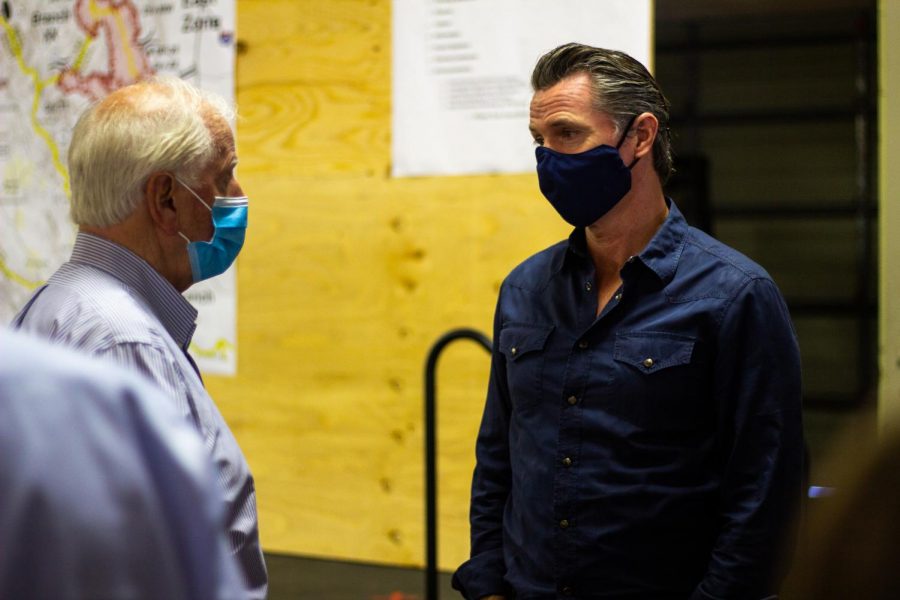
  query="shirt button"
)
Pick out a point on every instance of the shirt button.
point(587, 286)
point(564, 523)
point(513, 350)
point(572, 400)
point(648, 362)
point(566, 590)
point(583, 344)
point(618, 296)
point(567, 462)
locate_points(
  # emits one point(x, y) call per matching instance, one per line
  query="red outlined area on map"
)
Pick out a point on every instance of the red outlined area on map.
point(118, 22)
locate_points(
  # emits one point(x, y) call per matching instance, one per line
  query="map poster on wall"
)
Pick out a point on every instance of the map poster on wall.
point(461, 73)
point(57, 57)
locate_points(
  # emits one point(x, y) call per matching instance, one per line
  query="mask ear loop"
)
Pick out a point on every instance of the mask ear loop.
point(197, 196)
point(624, 135)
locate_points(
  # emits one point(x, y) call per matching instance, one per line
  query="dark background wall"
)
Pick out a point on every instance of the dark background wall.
point(775, 127)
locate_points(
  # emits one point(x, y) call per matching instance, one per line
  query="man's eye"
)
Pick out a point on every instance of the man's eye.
point(568, 134)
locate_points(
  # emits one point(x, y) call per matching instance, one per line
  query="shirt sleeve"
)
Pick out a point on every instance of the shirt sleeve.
point(237, 486)
point(483, 574)
point(157, 366)
point(240, 496)
point(758, 397)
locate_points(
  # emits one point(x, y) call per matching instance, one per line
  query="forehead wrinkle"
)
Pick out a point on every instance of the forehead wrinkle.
point(543, 108)
point(219, 129)
point(561, 110)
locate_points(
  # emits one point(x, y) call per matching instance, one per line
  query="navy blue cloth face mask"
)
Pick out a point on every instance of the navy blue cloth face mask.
point(583, 187)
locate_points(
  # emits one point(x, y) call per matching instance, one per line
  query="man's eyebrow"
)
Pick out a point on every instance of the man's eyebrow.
point(227, 170)
point(558, 122)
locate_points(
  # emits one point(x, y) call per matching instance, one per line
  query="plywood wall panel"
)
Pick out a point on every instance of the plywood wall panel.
point(346, 279)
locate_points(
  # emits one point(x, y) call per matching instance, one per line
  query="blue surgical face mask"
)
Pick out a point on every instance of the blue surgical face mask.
point(229, 215)
point(585, 186)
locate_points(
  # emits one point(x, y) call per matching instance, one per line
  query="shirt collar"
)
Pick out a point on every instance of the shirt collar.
point(173, 310)
point(661, 255)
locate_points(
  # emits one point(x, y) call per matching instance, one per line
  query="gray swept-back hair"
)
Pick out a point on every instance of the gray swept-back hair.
point(160, 124)
point(621, 86)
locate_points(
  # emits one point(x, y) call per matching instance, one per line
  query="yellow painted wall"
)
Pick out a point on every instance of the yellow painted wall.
point(889, 208)
point(346, 279)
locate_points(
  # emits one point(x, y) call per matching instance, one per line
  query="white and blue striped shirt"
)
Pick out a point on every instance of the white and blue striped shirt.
point(109, 303)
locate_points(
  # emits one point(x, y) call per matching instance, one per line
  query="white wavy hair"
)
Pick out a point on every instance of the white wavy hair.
point(160, 124)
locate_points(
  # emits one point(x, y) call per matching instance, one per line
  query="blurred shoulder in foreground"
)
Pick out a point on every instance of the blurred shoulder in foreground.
point(851, 547)
point(105, 492)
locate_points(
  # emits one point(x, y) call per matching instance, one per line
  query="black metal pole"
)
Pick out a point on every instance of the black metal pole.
point(431, 592)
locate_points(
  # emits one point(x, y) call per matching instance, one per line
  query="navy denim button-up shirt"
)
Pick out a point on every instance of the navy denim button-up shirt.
point(653, 452)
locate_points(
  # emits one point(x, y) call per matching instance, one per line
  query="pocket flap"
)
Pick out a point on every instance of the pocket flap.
point(517, 340)
point(651, 351)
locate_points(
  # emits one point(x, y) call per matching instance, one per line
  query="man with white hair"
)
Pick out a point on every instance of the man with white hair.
point(158, 208)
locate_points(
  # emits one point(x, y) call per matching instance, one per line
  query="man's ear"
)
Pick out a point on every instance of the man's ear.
point(645, 127)
point(159, 193)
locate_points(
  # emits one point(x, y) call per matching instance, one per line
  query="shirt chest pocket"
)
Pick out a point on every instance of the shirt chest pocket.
point(523, 347)
point(659, 381)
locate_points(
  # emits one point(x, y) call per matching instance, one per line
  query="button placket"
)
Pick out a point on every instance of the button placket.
point(565, 495)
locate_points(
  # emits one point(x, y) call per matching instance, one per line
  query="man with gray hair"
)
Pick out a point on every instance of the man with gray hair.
point(642, 433)
point(158, 208)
